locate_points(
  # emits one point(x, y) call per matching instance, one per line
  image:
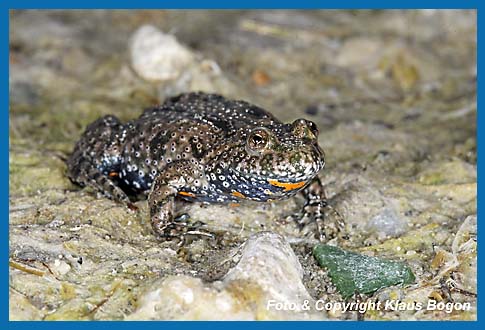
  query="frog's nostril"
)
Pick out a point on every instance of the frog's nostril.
point(305, 129)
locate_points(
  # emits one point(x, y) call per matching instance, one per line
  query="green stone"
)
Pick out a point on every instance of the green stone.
point(353, 272)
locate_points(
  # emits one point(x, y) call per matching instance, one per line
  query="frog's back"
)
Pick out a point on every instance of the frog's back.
point(192, 127)
point(213, 109)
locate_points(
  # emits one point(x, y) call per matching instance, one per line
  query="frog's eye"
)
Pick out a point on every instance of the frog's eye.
point(258, 139)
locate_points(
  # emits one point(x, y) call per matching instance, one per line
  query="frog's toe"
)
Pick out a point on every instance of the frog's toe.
point(186, 237)
point(311, 221)
point(180, 228)
point(300, 219)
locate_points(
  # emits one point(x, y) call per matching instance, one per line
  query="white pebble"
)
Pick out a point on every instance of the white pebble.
point(158, 56)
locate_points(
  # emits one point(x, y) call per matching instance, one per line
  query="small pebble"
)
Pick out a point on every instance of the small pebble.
point(158, 56)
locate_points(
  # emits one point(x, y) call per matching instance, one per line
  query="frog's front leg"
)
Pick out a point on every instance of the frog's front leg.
point(314, 209)
point(161, 201)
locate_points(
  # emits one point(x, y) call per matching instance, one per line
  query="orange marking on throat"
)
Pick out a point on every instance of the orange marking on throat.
point(234, 204)
point(184, 193)
point(238, 194)
point(113, 174)
point(288, 186)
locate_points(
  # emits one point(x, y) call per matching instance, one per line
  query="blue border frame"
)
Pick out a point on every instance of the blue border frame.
point(241, 4)
point(6, 5)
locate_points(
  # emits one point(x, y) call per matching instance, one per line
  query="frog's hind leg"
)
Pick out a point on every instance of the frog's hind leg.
point(96, 153)
point(91, 176)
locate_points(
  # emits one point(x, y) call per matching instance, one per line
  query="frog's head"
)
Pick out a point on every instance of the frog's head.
point(283, 157)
